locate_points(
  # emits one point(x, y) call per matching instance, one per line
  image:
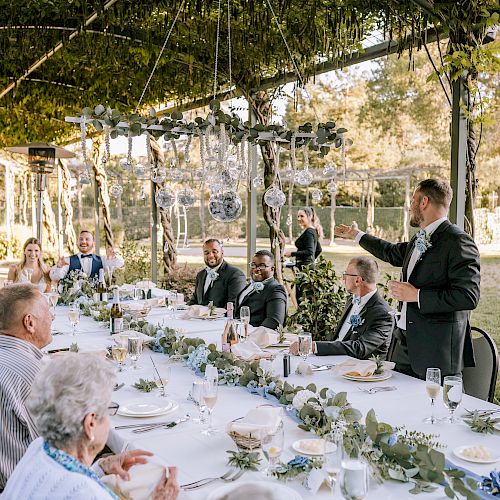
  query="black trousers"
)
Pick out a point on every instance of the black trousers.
point(400, 355)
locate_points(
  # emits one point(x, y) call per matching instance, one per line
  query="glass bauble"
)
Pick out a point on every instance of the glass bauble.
point(258, 182)
point(303, 177)
point(176, 175)
point(316, 194)
point(115, 190)
point(159, 175)
point(331, 187)
point(225, 207)
point(165, 198)
point(274, 197)
point(186, 197)
point(329, 170)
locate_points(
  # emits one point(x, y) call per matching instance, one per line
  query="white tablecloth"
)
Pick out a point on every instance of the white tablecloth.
point(199, 456)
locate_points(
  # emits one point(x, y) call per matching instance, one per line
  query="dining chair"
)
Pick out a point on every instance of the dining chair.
point(479, 381)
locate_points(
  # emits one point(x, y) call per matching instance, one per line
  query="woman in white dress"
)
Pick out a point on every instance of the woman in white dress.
point(32, 268)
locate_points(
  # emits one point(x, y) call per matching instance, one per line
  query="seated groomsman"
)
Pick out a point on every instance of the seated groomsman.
point(85, 260)
point(365, 328)
point(265, 297)
point(219, 282)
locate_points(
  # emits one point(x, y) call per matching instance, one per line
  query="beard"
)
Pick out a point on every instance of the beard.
point(416, 218)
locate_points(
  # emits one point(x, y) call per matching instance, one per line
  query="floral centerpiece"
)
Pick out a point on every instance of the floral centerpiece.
point(75, 285)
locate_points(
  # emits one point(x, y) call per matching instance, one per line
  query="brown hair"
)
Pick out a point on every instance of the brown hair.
point(43, 267)
point(437, 190)
point(12, 299)
point(313, 216)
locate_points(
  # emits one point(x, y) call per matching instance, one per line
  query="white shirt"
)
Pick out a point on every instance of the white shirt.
point(208, 279)
point(355, 309)
point(58, 273)
point(251, 288)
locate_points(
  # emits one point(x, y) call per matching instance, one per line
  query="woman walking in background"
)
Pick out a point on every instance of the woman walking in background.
point(32, 268)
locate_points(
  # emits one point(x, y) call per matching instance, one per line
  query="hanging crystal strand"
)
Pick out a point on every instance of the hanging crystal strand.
point(187, 159)
point(208, 149)
point(83, 141)
point(343, 155)
point(203, 152)
point(306, 156)
point(277, 154)
point(222, 145)
point(107, 145)
point(129, 152)
point(176, 154)
point(293, 156)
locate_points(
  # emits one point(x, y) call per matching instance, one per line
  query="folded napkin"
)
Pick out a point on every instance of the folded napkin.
point(360, 367)
point(201, 312)
point(251, 491)
point(131, 333)
point(262, 336)
point(143, 481)
point(258, 422)
point(126, 287)
point(249, 351)
point(145, 284)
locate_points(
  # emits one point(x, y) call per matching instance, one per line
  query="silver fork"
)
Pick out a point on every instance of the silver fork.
point(226, 478)
point(374, 390)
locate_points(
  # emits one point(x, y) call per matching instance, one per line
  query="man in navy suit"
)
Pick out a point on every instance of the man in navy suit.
point(439, 285)
point(265, 297)
point(219, 282)
point(85, 260)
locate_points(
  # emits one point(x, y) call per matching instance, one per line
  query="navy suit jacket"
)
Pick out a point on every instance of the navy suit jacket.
point(74, 263)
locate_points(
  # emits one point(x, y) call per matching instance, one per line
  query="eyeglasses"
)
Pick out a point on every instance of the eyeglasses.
point(260, 267)
point(344, 274)
point(112, 409)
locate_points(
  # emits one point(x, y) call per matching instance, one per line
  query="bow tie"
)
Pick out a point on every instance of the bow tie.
point(212, 273)
point(88, 256)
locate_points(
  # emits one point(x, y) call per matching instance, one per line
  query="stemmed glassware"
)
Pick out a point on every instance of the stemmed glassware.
point(394, 276)
point(74, 316)
point(109, 271)
point(305, 345)
point(245, 318)
point(29, 273)
point(432, 386)
point(353, 478)
point(209, 392)
point(272, 446)
point(119, 353)
point(134, 350)
point(172, 302)
point(53, 298)
point(165, 374)
point(332, 459)
point(197, 398)
point(452, 395)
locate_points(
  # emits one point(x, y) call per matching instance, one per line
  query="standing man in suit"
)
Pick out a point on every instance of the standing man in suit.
point(439, 285)
point(365, 327)
point(265, 297)
point(219, 282)
point(85, 260)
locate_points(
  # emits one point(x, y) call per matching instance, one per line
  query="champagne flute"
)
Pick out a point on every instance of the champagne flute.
point(165, 374)
point(53, 299)
point(432, 386)
point(353, 479)
point(74, 316)
point(137, 293)
point(332, 459)
point(119, 353)
point(245, 318)
point(394, 276)
point(197, 398)
point(134, 350)
point(305, 345)
point(452, 395)
point(272, 446)
point(210, 389)
point(29, 273)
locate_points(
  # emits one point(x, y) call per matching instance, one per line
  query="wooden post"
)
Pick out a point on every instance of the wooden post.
point(406, 210)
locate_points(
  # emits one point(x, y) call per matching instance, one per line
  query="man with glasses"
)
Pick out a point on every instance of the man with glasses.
point(265, 297)
point(365, 327)
point(219, 282)
point(25, 328)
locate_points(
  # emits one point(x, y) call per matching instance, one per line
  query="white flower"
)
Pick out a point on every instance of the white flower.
point(300, 399)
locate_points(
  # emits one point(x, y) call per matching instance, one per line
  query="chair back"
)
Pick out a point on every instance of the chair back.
point(479, 381)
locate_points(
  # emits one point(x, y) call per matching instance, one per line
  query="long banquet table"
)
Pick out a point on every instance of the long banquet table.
point(198, 456)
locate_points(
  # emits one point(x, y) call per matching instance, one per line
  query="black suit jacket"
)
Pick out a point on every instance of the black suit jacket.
point(373, 337)
point(448, 277)
point(224, 289)
point(267, 307)
point(308, 248)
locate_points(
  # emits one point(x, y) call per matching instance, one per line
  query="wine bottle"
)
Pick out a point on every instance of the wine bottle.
point(116, 318)
point(102, 291)
point(230, 334)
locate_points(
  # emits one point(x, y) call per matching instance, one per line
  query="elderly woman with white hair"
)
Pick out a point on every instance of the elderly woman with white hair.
point(70, 402)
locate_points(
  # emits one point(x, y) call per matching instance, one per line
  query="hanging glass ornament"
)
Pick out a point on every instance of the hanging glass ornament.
point(186, 197)
point(316, 194)
point(159, 175)
point(84, 177)
point(331, 187)
point(232, 162)
point(258, 182)
point(115, 190)
point(225, 207)
point(176, 174)
point(142, 194)
point(187, 159)
point(172, 163)
point(165, 198)
point(275, 197)
point(227, 179)
point(140, 171)
point(330, 170)
point(107, 145)
point(83, 140)
point(287, 174)
point(289, 220)
point(303, 177)
point(198, 174)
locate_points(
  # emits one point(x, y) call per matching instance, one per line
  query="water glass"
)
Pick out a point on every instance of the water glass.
point(272, 446)
point(353, 479)
point(245, 318)
point(432, 386)
point(137, 293)
point(119, 353)
point(197, 398)
point(332, 459)
point(74, 316)
point(134, 350)
point(452, 395)
point(305, 345)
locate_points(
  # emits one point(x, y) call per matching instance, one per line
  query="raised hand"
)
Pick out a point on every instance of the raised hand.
point(347, 232)
point(121, 463)
point(110, 253)
point(63, 261)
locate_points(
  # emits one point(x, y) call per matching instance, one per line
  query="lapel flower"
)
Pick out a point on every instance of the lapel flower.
point(258, 286)
point(356, 320)
point(213, 275)
point(422, 242)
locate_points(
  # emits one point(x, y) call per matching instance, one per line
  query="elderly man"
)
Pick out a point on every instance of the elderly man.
point(86, 261)
point(365, 328)
point(265, 297)
point(25, 324)
point(439, 285)
point(219, 282)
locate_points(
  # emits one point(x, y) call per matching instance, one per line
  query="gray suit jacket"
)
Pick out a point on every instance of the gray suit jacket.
point(373, 337)
point(224, 289)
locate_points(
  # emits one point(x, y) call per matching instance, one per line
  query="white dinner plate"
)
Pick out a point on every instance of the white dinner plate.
point(459, 452)
point(298, 446)
point(143, 408)
point(374, 378)
point(254, 490)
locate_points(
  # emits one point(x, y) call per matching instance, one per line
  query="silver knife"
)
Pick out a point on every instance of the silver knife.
point(168, 425)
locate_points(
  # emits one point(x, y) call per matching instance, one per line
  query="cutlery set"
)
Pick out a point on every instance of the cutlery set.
point(228, 477)
point(140, 428)
point(374, 390)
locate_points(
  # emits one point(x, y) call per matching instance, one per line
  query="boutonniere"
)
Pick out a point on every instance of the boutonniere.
point(422, 242)
point(213, 275)
point(356, 320)
point(258, 286)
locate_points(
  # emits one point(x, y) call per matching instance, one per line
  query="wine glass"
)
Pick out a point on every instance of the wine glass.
point(353, 479)
point(165, 374)
point(134, 350)
point(452, 395)
point(332, 459)
point(109, 271)
point(245, 318)
point(209, 393)
point(432, 386)
point(272, 446)
point(197, 399)
point(394, 276)
point(53, 299)
point(137, 293)
point(119, 353)
point(305, 345)
point(74, 316)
